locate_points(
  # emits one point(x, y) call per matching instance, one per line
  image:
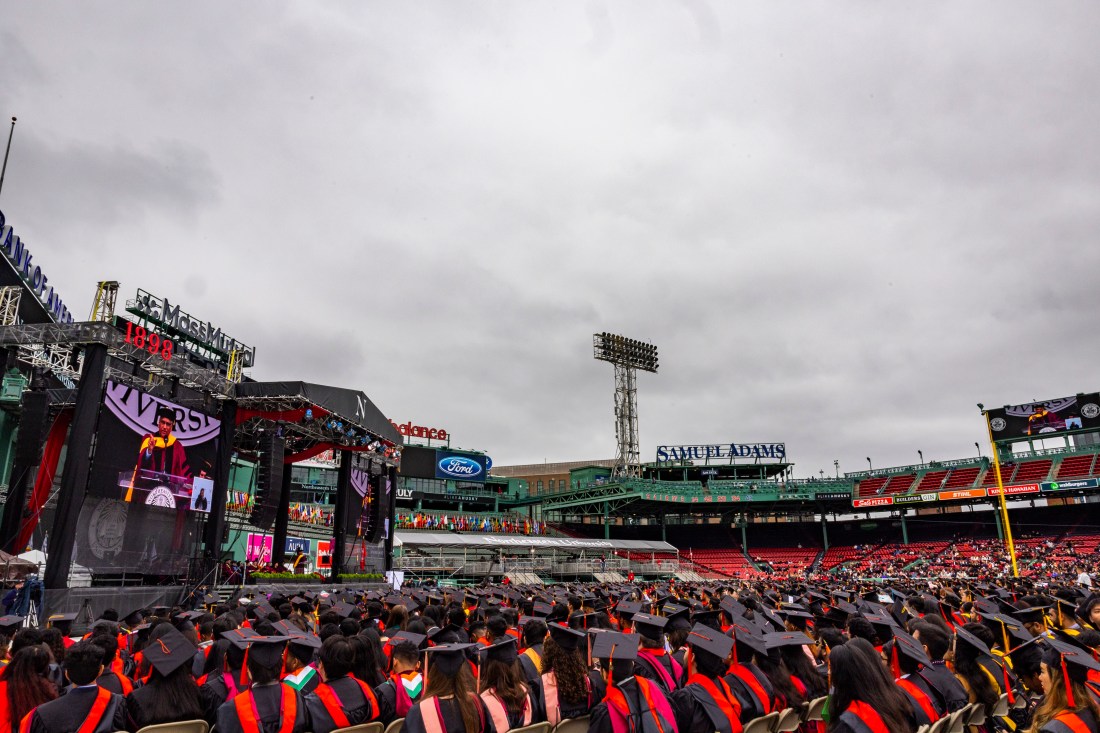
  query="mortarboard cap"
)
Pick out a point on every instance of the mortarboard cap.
point(264, 650)
point(566, 638)
point(447, 659)
point(8, 624)
point(626, 609)
point(962, 636)
point(905, 645)
point(615, 646)
point(649, 626)
point(415, 639)
point(787, 638)
point(61, 618)
point(1078, 662)
point(502, 651)
point(704, 639)
point(170, 651)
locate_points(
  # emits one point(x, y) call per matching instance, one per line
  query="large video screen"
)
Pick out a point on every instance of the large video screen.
point(1046, 417)
point(150, 486)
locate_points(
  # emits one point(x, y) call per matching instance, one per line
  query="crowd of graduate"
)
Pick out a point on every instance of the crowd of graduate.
point(688, 658)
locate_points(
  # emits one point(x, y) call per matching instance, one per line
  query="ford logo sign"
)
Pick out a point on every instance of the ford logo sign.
point(459, 467)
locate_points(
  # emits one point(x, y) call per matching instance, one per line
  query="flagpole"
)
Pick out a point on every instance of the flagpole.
point(6, 152)
point(1001, 491)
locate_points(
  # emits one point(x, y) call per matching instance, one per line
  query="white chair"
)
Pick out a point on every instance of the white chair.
point(1000, 708)
point(533, 728)
point(788, 721)
point(815, 709)
point(374, 727)
point(186, 726)
point(396, 726)
point(977, 716)
point(956, 721)
point(765, 724)
point(572, 725)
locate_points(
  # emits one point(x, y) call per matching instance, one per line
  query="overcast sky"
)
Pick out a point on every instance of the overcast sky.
point(843, 224)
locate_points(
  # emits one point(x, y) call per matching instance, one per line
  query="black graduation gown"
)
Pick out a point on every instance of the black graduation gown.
point(269, 701)
point(387, 701)
point(751, 705)
point(140, 700)
point(574, 709)
point(644, 667)
point(599, 720)
point(1055, 726)
point(109, 681)
point(218, 691)
point(697, 712)
point(515, 717)
point(531, 673)
point(354, 704)
point(452, 718)
point(947, 688)
point(66, 714)
point(680, 655)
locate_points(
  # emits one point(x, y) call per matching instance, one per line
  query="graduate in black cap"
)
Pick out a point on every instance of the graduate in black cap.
point(949, 691)
point(171, 694)
point(653, 661)
point(567, 688)
point(404, 684)
point(232, 676)
point(906, 658)
point(268, 706)
point(530, 659)
point(507, 698)
point(300, 672)
point(1067, 706)
point(751, 686)
point(706, 703)
point(631, 703)
point(864, 698)
point(973, 663)
point(450, 703)
point(86, 707)
point(341, 700)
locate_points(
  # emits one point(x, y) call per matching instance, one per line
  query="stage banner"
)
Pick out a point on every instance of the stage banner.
point(1046, 417)
point(150, 485)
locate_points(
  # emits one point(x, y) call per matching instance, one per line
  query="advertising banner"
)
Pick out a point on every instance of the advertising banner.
point(874, 501)
point(1014, 490)
point(1081, 483)
point(962, 494)
point(915, 498)
point(1046, 417)
point(324, 554)
point(460, 466)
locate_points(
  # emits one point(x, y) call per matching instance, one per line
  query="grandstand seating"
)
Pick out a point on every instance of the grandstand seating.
point(1077, 466)
point(731, 562)
point(785, 558)
point(898, 484)
point(870, 486)
point(1032, 471)
point(931, 481)
point(1007, 471)
point(962, 478)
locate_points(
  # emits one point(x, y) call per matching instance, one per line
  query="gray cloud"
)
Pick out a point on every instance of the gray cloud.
point(843, 225)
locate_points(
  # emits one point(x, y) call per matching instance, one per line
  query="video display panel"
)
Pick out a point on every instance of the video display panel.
point(150, 485)
point(1046, 417)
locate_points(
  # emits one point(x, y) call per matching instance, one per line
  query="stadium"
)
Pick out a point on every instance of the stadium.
point(172, 526)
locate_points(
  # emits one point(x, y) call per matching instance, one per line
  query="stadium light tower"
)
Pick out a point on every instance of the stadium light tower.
point(627, 356)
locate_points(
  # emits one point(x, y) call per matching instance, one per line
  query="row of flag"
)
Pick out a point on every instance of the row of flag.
point(469, 523)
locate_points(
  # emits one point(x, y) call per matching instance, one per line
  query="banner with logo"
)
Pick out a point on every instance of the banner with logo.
point(1046, 417)
point(460, 466)
point(150, 484)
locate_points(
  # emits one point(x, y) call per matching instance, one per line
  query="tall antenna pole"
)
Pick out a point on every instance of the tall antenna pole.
point(6, 152)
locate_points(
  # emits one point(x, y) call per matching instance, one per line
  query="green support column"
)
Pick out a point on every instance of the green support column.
point(1000, 527)
point(496, 504)
point(824, 533)
point(606, 521)
point(904, 529)
point(663, 537)
point(744, 534)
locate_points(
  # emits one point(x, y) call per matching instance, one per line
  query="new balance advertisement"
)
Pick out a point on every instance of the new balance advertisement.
point(150, 484)
point(1046, 417)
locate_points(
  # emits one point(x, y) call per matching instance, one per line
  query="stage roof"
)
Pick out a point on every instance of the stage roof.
point(351, 406)
point(497, 541)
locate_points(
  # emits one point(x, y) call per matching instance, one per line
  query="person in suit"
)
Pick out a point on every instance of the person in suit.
point(86, 707)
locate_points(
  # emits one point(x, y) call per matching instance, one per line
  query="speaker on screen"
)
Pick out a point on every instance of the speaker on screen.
point(269, 481)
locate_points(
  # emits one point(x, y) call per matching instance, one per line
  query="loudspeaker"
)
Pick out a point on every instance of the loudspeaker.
point(269, 481)
point(34, 422)
point(374, 513)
